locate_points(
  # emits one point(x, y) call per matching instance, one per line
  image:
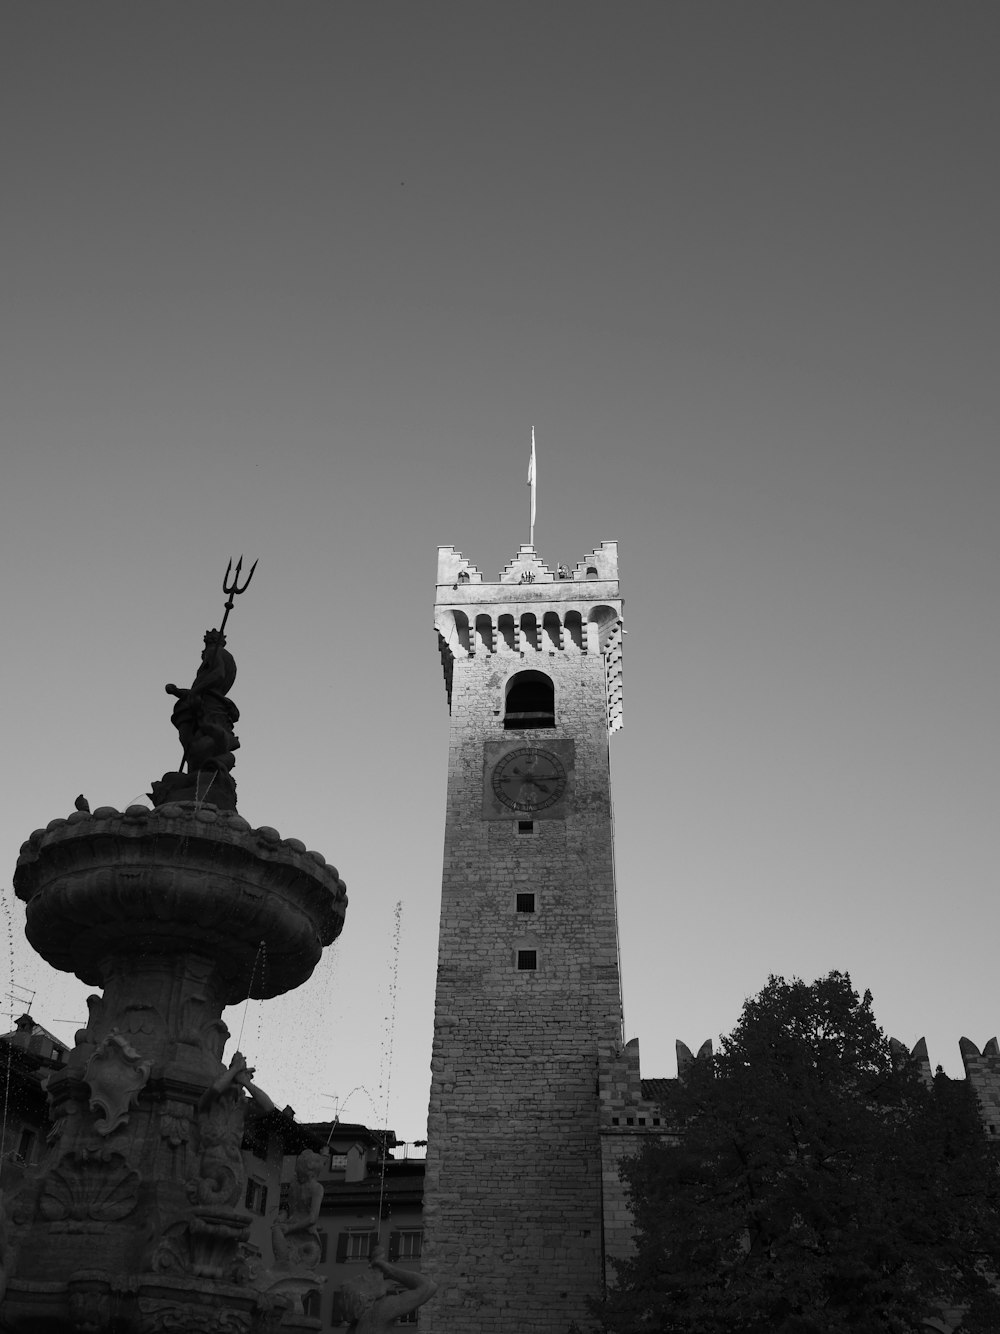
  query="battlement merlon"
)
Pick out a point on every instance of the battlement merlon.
point(530, 610)
point(525, 571)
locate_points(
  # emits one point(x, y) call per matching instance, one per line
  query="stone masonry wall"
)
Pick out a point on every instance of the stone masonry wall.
point(513, 1203)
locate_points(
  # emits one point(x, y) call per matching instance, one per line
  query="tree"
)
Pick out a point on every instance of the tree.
point(812, 1185)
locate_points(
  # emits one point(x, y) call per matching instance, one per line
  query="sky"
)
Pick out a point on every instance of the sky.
point(296, 280)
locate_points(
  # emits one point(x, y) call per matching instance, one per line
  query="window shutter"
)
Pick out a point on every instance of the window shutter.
point(248, 1202)
point(372, 1243)
point(323, 1239)
point(393, 1247)
point(263, 1201)
point(342, 1248)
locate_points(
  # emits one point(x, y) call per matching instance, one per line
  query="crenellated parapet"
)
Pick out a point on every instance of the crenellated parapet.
point(631, 1109)
point(982, 1070)
point(531, 613)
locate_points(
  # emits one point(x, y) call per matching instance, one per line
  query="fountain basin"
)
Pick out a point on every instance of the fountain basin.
point(185, 878)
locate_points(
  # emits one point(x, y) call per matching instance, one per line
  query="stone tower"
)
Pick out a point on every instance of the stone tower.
point(528, 1017)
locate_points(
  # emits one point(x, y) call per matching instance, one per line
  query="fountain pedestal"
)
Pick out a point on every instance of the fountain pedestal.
point(133, 1223)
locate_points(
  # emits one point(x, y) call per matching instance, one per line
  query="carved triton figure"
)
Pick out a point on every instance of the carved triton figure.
point(220, 1130)
point(367, 1306)
point(294, 1236)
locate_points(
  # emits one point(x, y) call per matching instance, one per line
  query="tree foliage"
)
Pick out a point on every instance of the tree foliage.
point(812, 1185)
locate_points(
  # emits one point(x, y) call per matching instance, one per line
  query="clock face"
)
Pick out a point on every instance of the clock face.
point(529, 779)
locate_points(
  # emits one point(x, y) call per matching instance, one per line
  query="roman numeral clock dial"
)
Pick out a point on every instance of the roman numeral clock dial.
point(529, 779)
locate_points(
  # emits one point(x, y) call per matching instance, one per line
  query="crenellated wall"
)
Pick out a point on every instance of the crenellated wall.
point(532, 613)
point(632, 1109)
point(982, 1070)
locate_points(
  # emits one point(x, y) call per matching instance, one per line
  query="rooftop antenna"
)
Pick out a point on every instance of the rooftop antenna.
point(19, 995)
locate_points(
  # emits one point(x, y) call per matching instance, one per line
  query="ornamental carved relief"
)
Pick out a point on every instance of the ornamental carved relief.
point(116, 1073)
point(64, 1111)
point(157, 1317)
point(87, 1190)
point(171, 1255)
point(175, 1124)
point(89, 1311)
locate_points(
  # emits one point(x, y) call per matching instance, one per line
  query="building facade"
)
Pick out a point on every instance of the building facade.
point(28, 1055)
point(372, 1196)
point(528, 1019)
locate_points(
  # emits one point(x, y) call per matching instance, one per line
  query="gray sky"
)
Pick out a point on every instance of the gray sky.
point(295, 280)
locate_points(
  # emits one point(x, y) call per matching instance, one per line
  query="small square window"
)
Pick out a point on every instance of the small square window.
point(527, 961)
point(406, 1244)
point(525, 826)
point(355, 1244)
point(525, 902)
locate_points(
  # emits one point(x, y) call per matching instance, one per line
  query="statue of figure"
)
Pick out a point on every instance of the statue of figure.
point(295, 1237)
point(204, 716)
point(237, 1076)
point(220, 1132)
point(367, 1307)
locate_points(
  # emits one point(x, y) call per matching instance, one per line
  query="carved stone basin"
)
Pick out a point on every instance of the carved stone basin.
point(186, 878)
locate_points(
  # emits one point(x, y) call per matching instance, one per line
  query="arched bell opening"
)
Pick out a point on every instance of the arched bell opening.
point(484, 634)
point(606, 621)
point(529, 631)
point(505, 629)
point(530, 701)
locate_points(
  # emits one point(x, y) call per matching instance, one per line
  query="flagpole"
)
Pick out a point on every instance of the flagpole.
point(531, 483)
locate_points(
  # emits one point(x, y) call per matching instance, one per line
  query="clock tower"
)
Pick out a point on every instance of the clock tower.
point(528, 1016)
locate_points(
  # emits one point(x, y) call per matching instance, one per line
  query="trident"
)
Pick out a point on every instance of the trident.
point(233, 589)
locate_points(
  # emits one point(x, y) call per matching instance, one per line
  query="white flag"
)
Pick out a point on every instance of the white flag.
point(531, 483)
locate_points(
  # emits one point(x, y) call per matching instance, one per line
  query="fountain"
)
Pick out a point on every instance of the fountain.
point(133, 1221)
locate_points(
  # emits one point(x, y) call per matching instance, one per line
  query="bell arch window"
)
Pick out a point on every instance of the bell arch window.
point(506, 633)
point(484, 634)
point(551, 632)
point(530, 701)
point(574, 630)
